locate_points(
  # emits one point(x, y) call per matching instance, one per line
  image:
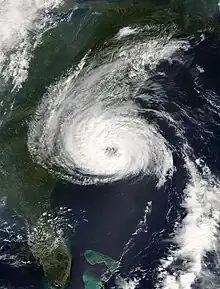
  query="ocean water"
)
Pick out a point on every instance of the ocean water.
point(110, 128)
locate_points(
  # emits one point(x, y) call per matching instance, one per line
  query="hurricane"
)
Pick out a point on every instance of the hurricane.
point(91, 129)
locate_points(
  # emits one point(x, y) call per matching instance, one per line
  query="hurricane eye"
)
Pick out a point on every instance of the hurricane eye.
point(111, 151)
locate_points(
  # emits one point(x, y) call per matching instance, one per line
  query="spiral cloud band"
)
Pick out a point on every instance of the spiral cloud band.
point(88, 128)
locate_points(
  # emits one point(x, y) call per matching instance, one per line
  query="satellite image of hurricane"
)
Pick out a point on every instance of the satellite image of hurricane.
point(109, 144)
